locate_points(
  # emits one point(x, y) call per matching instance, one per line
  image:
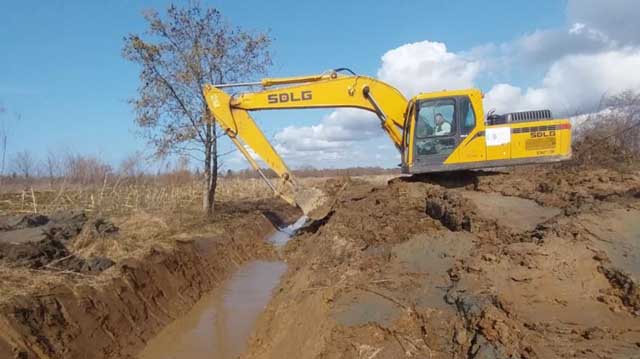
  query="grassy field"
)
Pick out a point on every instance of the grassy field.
point(124, 196)
point(119, 197)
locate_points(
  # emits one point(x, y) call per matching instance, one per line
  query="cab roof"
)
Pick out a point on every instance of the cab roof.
point(472, 92)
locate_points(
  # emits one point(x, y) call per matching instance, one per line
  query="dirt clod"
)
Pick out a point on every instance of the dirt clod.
point(33, 255)
point(102, 227)
point(20, 222)
point(451, 209)
point(45, 245)
point(65, 225)
point(91, 265)
point(625, 286)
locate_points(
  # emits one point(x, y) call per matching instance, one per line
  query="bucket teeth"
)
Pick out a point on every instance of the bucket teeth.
point(308, 199)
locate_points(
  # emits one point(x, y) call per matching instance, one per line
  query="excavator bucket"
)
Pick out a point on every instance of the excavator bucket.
point(310, 200)
point(243, 131)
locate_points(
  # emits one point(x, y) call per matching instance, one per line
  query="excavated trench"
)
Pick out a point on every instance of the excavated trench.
point(219, 325)
point(49, 311)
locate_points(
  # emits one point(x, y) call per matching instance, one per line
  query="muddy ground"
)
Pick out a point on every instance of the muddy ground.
point(536, 263)
point(74, 286)
point(531, 263)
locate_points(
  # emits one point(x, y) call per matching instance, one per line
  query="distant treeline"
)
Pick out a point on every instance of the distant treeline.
point(77, 170)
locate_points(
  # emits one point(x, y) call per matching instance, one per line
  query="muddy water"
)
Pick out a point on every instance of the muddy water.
point(282, 236)
point(220, 324)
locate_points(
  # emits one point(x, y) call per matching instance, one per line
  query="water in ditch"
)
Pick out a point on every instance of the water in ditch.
point(220, 324)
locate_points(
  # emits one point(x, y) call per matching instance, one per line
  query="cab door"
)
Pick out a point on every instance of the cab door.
point(436, 134)
point(472, 144)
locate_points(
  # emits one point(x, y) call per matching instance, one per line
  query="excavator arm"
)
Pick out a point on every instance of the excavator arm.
point(327, 90)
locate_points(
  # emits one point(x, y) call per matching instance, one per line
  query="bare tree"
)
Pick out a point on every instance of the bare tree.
point(53, 166)
point(24, 164)
point(86, 169)
point(626, 106)
point(187, 48)
point(611, 136)
point(133, 165)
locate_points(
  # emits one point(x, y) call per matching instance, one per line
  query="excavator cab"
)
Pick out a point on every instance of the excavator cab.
point(447, 131)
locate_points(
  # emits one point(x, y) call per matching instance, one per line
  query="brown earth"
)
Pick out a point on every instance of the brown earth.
point(532, 263)
point(536, 263)
point(78, 287)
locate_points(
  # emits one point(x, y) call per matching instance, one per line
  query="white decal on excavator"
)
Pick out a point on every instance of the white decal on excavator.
point(498, 136)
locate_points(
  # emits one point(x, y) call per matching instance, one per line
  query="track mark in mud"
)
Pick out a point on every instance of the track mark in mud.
point(517, 214)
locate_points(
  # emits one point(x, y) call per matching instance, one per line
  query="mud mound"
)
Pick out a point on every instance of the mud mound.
point(624, 286)
point(572, 190)
point(33, 227)
point(50, 254)
point(488, 331)
point(100, 228)
point(12, 223)
point(509, 265)
point(451, 209)
point(41, 242)
point(368, 214)
point(65, 225)
point(33, 254)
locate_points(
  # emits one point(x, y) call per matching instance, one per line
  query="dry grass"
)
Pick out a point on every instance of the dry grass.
point(137, 232)
point(122, 198)
point(114, 199)
point(23, 281)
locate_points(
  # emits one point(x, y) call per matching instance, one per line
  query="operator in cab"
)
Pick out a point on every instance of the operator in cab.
point(442, 127)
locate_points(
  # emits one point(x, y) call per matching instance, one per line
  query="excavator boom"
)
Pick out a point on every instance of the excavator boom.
point(327, 90)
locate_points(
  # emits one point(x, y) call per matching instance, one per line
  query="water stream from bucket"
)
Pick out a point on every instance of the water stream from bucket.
point(219, 325)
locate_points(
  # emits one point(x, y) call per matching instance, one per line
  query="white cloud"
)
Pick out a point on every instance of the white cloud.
point(346, 135)
point(543, 47)
point(618, 19)
point(573, 84)
point(340, 126)
point(427, 66)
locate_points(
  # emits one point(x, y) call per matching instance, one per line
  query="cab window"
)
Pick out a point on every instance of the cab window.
point(436, 118)
point(435, 127)
point(469, 117)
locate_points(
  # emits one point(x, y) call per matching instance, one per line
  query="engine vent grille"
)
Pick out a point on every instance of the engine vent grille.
point(529, 116)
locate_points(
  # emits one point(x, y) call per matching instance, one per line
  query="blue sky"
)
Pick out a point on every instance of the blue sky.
point(64, 83)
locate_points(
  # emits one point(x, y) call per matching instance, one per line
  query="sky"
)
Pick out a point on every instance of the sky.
point(64, 84)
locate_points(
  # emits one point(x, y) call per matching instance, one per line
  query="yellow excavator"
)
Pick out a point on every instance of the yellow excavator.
point(434, 132)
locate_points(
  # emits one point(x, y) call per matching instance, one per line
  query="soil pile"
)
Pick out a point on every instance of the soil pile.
point(40, 242)
point(503, 265)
